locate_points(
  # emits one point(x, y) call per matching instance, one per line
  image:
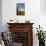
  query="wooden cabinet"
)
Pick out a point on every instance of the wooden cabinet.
point(22, 33)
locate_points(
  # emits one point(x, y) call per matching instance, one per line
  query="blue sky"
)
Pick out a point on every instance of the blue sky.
point(20, 5)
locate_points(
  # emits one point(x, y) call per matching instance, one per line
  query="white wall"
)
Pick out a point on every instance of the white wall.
point(43, 6)
point(43, 14)
point(33, 11)
point(0, 15)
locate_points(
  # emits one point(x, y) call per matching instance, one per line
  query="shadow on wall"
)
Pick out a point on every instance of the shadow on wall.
point(0, 15)
point(43, 6)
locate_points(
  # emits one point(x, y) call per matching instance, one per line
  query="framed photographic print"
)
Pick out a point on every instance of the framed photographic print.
point(20, 9)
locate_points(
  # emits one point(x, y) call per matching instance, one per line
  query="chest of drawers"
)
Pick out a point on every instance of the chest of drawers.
point(22, 33)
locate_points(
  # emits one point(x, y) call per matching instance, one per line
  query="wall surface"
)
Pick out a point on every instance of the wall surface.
point(43, 6)
point(33, 12)
point(0, 15)
point(43, 14)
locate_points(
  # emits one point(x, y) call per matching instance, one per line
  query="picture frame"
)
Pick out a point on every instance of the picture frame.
point(20, 9)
